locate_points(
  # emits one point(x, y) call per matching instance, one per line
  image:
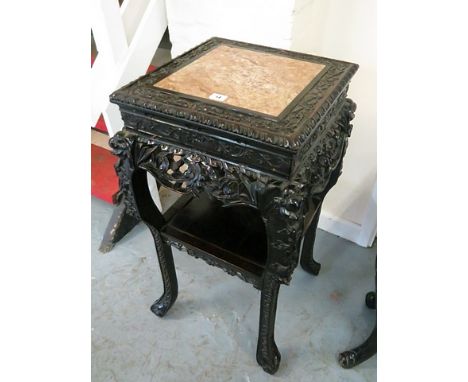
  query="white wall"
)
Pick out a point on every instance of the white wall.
point(265, 22)
point(340, 29)
point(346, 30)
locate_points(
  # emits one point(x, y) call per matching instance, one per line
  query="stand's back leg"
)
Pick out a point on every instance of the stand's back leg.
point(307, 254)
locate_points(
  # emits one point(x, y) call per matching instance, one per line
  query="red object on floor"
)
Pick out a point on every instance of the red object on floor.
point(100, 124)
point(104, 181)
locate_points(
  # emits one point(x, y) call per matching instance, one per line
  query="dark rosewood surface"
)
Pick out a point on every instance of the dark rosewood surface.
point(252, 185)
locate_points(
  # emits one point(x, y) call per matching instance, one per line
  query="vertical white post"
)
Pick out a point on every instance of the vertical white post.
point(369, 224)
point(126, 40)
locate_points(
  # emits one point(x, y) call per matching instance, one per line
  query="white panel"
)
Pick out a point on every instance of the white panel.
point(108, 30)
point(369, 226)
point(145, 42)
point(103, 74)
point(347, 30)
point(256, 21)
point(132, 11)
point(108, 76)
point(340, 227)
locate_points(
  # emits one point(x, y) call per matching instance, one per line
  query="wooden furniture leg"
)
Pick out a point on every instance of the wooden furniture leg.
point(307, 254)
point(268, 355)
point(119, 225)
point(361, 353)
point(368, 348)
point(154, 220)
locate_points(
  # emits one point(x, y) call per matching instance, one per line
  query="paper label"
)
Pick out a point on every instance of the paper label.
point(218, 97)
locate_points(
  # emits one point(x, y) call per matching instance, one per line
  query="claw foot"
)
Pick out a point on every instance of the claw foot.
point(371, 301)
point(312, 267)
point(162, 305)
point(347, 359)
point(269, 360)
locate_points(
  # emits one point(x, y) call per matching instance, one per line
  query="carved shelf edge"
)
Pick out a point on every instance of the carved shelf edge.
point(229, 268)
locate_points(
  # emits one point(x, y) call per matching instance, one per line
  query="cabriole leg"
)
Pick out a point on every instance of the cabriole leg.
point(361, 353)
point(152, 217)
point(368, 348)
point(268, 355)
point(307, 254)
point(166, 263)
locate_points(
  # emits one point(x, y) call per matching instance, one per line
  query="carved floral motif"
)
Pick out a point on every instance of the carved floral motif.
point(283, 203)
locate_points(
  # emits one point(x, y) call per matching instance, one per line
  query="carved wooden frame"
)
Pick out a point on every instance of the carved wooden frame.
point(281, 166)
point(279, 200)
point(289, 130)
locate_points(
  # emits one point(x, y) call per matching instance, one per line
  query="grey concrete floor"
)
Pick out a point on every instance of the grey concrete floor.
point(210, 333)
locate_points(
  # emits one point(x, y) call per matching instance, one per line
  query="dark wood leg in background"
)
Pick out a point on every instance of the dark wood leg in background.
point(119, 225)
point(268, 355)
point(371, 300)
point(361, 353)
point(307, 254)
point(368, 348)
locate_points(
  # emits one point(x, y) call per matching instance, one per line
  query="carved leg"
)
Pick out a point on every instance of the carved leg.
point(307, 254)
point(119, 225)
point(268, 355)
point(135, 195)
point(361, 353)
point(152, 217)
point(166, 264)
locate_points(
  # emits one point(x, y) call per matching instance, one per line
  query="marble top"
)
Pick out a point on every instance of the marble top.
point(263, 82)
point(268, 95)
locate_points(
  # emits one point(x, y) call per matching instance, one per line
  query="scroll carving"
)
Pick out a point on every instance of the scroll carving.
point(283, 203)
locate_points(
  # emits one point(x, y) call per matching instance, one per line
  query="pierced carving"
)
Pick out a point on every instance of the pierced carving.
point(283, 203)
point(328, 149)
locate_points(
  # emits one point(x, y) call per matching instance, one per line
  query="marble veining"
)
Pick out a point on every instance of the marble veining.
point(249, 79)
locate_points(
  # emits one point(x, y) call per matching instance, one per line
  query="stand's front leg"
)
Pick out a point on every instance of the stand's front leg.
point(268, 355)
point(283, 218)
point(166, 264)
point(134, 194)
point(152, 217)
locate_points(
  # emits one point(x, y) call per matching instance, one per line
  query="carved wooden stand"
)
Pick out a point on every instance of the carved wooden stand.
point(241, 174)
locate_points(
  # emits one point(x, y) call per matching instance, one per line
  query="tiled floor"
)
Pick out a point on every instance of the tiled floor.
point(211, 331)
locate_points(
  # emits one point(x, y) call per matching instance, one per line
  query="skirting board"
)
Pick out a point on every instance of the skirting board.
point(346, 229)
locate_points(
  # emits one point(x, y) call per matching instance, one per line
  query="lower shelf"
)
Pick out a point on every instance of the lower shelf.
point(231, 237)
